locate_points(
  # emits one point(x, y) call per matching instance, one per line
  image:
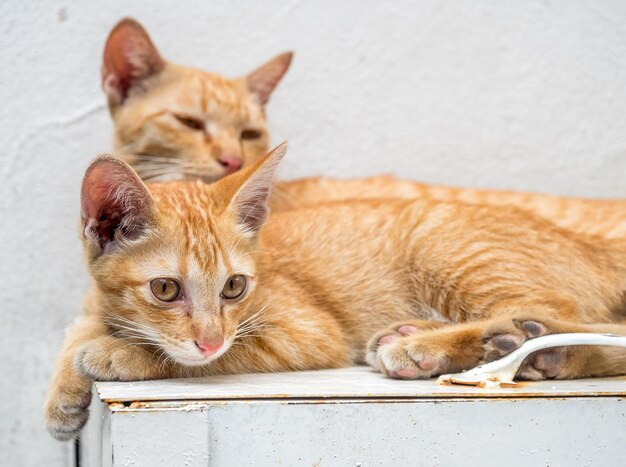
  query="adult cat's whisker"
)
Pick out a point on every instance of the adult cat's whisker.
point(199, 173)
point(147, 175)
point(144, 167)
point(166, 177)
point(163, 159)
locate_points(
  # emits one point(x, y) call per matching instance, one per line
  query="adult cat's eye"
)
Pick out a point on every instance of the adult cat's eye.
point(235, 287)
point(165, 289)
point(250, 134)
point(190, 122)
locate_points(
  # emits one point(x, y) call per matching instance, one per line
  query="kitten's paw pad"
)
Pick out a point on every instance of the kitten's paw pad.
point(388, 339)
point(393, 332)
point(407, 329)
point(66, 412)
point(404, 359)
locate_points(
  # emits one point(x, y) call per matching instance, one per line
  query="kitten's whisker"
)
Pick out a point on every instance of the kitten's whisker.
point(253, 317)
point(132, 328)
point(127, 334)
point(250, 335)
point(116, 320)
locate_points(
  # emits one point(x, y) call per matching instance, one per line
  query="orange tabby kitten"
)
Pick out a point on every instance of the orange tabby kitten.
point(174, 122)
point(188, 282)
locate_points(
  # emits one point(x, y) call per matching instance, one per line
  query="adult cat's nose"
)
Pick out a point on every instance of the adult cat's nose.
point(208, 347)
point(230, 163)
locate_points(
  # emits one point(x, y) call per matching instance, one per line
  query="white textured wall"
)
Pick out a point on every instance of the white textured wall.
point(526, 95)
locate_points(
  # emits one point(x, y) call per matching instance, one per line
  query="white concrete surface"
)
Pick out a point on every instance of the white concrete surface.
point(512, 94)
point(354, 417)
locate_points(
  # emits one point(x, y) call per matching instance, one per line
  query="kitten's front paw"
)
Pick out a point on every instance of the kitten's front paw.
point(417, 352)
point(66, 408)
point(110, 359)
point(396, 330)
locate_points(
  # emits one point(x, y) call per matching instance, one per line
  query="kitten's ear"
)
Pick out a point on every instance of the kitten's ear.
point(115, 204)
point(249, 190)
point(264, 79)
point(129, 58)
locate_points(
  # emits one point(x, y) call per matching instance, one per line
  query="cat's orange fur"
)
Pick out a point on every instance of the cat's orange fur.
point(147, 93)
point(322, 282)
point(603, 217)
point(174, 122)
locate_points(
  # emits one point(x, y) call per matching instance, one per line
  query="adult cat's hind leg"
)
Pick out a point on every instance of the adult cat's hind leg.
point(507, 333)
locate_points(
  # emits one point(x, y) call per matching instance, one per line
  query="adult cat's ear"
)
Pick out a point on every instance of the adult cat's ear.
point(129, 58)
point(247, 191)
point(115, 205)
point(264, 79)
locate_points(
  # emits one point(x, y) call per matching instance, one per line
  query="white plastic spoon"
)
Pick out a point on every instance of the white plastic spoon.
point(501, 372)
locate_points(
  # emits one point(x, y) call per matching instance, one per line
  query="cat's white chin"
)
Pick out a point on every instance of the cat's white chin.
point(189, 355)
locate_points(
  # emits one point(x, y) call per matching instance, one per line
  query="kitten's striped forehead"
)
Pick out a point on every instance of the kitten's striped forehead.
point(189, 212)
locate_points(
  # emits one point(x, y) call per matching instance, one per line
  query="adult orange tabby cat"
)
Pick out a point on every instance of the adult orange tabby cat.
point(174, 122)
point(187, 281)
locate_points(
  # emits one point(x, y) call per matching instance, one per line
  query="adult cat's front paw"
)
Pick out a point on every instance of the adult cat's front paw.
point(416, 350)
point(504, 335)
point(111, 359)
point(66, 408)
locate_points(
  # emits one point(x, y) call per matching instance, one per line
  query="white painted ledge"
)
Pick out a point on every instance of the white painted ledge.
point(357, 382)
point(353, 417)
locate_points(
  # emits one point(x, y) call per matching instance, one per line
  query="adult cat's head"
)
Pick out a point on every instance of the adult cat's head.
point(174, 262)
point(174, 122)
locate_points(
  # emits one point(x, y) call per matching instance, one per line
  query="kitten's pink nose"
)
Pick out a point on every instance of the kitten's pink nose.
point(208, 347)
point(230, 163)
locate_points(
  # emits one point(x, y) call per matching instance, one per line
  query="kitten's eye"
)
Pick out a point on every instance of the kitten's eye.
point(165, 289)
point(190, 122)
point(235, 287)
point(250, 134)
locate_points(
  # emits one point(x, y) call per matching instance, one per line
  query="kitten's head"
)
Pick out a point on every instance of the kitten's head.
point(175, 123)
point(174, 262)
